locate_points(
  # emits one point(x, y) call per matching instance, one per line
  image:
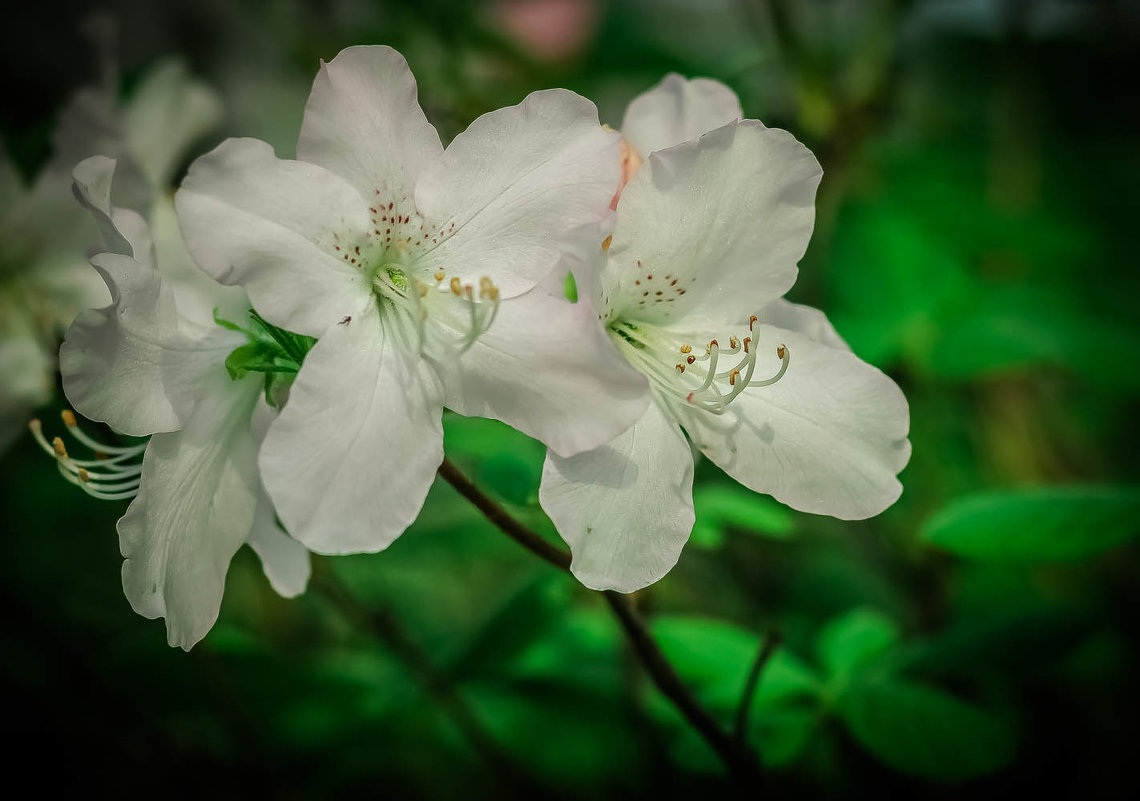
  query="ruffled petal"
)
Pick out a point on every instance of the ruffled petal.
point(828, 438)
point(712, 230)
point(194, 510)
point(268, 224)
point(546, 368)
point(626, 508)
point(363, 122)
point(113, 360)
point(518, 188)
point(350, 459)
point(677, 110)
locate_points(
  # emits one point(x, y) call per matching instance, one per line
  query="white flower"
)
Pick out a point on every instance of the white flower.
point(707, 238)
point(417, 268)
point(144, 369)
point(45, 235)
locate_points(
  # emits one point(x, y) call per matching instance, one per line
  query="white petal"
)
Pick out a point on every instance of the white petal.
point(350, 459)
point(124, 231)
point(828, 438)
point(546, 368)
point(194, 510)
point(677, 110)
point(284, 560)
point(364, 123)
point(520, 186)
point(716, 226)
point(168, 112)
point(196, 294)
point(267, 224)
point(805, 320)
point(626, 508)
point(113, 359)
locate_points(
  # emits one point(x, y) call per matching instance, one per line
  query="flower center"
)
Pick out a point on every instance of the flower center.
point(112, 475)
point(710, 380)
point(396, 257)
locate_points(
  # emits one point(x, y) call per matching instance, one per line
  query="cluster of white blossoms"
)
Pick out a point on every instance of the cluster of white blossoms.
point(380, 277)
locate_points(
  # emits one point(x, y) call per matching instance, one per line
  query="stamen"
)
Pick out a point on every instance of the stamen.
point(696, 380)
point(119, 474)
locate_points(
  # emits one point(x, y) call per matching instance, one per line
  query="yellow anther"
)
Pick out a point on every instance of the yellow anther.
point(686, 348)
point(607, 242)
point(780, 351)
point(733, 343)
point(732, 378)
point(84, 476)
point(440, 276)
point(456, 287)
point(681, 368)
point(57, 446)
point(68, 418)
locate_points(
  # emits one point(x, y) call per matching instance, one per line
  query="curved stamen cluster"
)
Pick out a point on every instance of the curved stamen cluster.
point(481, 313)
point(699, 379)
point(112, 475)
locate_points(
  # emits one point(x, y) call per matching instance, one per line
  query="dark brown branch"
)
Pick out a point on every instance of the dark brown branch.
point(737, 757)
point(385, 627)
point(768, 647)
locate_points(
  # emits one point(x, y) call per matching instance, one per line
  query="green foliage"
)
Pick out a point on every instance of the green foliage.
point(729, 507)
point(924, 731)
point(851, 642)
point(1052, 524)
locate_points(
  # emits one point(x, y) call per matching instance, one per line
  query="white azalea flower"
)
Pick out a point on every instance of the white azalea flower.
point(417, 267)
point(145, 369)
point(707, 238)
point(45, 236)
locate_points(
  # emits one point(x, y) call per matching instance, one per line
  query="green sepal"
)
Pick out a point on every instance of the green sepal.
point(296, 346)
point(259, 357)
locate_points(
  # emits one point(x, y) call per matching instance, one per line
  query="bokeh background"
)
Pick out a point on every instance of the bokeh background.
point(976, 239)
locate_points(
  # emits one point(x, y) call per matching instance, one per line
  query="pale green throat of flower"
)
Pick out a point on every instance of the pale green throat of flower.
point(395, 256)
point(710, 380)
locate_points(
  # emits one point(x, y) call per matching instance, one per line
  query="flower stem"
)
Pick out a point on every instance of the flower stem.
point(768, 647)
point(387, 628)
point(742, 765)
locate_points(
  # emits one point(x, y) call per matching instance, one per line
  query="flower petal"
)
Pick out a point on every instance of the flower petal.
point(715, 226)
point(167, 114)
point(805, 320)
point(518, 187)
point(124, 231)
point(677, 110)
point(113, 359)
point(284, 560)
point(546, 368)
point(194, 510)
point(626, 508)
point(364, 123)
point(267, 224)
point(828, 438)
point(350, 459)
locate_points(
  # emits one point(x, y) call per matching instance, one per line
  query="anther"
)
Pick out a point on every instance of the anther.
point(691, 359)
point(751, 321)
point(733, 343)
point(68, 418)
point(732, 378)
point(681, 368)
point(440, 276)
point(456, 287)
point(686, 348)
point(58, 447)
point(780, 351)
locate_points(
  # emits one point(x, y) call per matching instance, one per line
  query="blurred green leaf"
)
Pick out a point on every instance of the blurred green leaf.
point(1048, 524)
point(921, 730)
point(854, 640)
point(731, 506)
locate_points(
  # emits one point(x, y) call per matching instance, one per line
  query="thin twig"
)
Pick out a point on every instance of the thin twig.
point(768, 647)
point(742, 765)
point(387, 628)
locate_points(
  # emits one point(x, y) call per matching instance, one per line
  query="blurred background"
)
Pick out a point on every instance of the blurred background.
point(975, 239)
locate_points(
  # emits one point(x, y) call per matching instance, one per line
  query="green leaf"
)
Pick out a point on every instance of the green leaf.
point(854, 640)
point(1051, 524)
point(258, 357)
point(923, 731)
point(731, 506)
